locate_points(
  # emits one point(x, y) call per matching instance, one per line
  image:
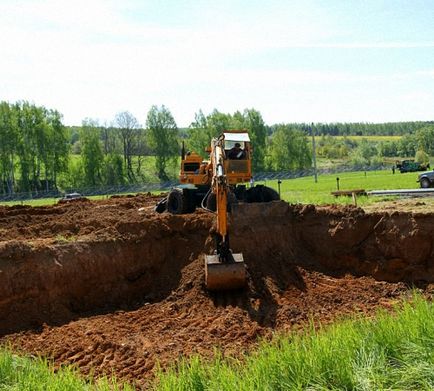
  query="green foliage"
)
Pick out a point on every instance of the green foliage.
point(391, 351)
point(252, 121)
point(200, 134)
point(163, 138)
point(113, 173)
point(34, 147)
point(289, 149)
point(425, 139)
point(203, 129)
point(421, 157)
point(365, 155)
point(59, 149)
point(91, 152)
point(388, 148)
point(407, 146)
point(8, 146)
point(333, 147)
point(366, 129)
point(129, 132)
point(75, 178)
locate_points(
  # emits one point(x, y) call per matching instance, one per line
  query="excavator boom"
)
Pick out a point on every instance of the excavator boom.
point(223, 270)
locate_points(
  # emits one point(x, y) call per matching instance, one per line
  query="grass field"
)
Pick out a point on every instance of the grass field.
point(306, 191)
point(388, 352)
point(44, 201)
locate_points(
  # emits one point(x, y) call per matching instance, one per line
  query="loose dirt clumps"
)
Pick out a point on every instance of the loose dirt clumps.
point(112, 287)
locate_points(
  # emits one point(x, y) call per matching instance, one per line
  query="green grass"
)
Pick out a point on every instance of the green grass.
point(20, 374)
point(38, 202)
point(390, 352)
point(45, 201)
point(306, 191)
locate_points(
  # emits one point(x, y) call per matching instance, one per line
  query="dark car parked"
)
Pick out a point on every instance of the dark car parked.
point(426, 179)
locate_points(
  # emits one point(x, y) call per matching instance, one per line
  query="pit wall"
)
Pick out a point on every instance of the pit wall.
point(55, 283)
point(390, 247)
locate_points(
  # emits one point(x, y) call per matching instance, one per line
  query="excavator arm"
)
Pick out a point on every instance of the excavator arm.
point(223, 269)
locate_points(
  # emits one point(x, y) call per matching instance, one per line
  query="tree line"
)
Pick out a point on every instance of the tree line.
point(366, 129)
point(39, 153)
point(365, 152)
point(34, 147)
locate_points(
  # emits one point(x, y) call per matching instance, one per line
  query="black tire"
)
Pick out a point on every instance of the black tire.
point(261, 193)
point(269, 194)
point(425, 183)
point(211, 201)
point(177, 203)
point(240, 192)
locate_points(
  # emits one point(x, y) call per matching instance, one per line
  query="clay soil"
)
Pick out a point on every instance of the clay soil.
point(112, 287)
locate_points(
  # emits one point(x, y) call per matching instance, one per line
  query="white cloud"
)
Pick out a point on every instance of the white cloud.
point(88, 60)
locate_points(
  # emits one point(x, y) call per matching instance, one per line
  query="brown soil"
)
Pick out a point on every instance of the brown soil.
point(110, 286)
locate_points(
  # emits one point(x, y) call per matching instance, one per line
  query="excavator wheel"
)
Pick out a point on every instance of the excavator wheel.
point(211, 203)
point(269, 194)
point(178, 202)
point(261, 193)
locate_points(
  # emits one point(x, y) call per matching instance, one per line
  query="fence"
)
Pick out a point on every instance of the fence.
point(164, 186)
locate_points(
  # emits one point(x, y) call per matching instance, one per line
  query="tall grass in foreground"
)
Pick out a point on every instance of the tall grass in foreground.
point(389, 352)
point(20, 374)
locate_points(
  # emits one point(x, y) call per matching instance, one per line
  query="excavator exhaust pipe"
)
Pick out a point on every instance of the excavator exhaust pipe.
point(222, 276)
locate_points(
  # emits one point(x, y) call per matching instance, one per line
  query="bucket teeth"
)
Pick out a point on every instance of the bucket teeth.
point(221, 276)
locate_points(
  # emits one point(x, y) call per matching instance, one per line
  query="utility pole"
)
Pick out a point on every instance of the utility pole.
point(312, 131)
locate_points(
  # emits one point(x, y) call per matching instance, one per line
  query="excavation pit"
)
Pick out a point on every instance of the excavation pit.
point(111, 286)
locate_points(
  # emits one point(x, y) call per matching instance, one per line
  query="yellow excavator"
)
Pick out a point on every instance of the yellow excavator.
point(216, 185)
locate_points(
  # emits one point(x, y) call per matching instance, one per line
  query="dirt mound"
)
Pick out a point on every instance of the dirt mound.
point(130, 282)
point(73, 219)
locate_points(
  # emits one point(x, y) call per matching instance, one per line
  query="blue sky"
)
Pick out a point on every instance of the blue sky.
point(294, 61)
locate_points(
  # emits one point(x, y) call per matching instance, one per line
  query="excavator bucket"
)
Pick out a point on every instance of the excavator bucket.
point(222, 276)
